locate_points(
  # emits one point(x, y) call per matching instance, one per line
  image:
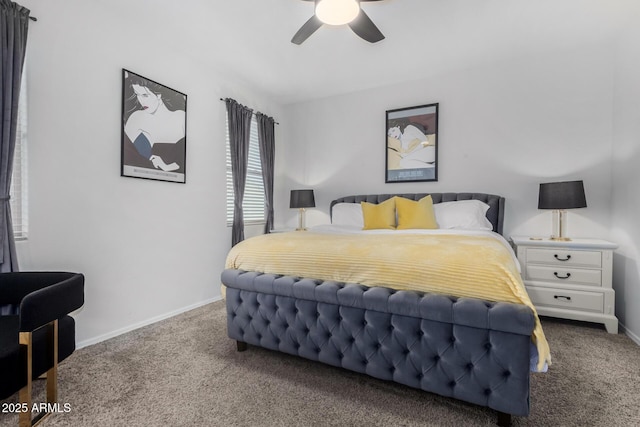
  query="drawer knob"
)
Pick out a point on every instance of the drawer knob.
point(562, 297)
point(562, 259)
point(555, 273)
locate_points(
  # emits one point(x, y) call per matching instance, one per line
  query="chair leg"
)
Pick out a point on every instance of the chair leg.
point(24, 419)
point(25, 395)
point(52, 373)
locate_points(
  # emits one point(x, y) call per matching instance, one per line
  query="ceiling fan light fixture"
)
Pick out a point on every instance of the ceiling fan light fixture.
point(337, 12)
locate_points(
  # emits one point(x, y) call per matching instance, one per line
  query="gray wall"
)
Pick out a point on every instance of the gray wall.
point(505, 127)
point(625, 223)
point(148, 249)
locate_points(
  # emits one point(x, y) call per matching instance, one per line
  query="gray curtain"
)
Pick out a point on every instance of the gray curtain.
point(239, 132)
point(14, 25)
point(266, 138)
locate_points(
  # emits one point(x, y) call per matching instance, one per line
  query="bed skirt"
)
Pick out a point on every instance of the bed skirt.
point(472, 350)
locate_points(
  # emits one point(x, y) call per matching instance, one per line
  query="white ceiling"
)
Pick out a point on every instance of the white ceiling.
point(250, 39)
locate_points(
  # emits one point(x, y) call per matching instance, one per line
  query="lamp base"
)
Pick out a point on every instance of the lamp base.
point(301, 225)
point(560, 239)
point(559, 231)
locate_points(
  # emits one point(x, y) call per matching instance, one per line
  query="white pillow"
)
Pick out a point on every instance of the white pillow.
point(462, 214)
point(347, 214)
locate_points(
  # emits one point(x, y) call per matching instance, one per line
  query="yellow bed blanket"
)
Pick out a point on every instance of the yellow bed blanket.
point(477, 266)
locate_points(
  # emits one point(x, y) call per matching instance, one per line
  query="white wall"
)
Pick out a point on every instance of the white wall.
point(150, 248)
point(626, 178)
point(147, 248)
point(504, 128)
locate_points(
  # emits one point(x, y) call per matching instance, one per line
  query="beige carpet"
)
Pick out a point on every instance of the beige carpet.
point(184, 371)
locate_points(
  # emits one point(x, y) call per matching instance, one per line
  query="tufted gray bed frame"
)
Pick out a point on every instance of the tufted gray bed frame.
point(472, 350)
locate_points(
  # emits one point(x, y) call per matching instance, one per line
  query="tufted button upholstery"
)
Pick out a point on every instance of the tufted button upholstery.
point(459, 347)
point(498, 316)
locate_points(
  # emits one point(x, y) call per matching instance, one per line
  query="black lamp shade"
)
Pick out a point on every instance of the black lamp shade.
point(302, 199)
point(562, 195)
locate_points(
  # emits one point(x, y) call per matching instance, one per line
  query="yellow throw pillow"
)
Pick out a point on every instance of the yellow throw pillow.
point(412, 214)
point(382, 215)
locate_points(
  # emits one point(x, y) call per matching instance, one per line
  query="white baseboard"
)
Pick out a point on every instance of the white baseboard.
point(634, 337)
point(100, 338)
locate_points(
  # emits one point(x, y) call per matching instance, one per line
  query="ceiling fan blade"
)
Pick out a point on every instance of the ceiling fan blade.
point(365, 28)
point(306, 30)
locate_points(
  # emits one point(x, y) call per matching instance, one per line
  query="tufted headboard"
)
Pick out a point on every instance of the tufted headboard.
point(495, 214)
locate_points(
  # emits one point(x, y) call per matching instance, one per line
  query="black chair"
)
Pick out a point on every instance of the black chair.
point(33, 342)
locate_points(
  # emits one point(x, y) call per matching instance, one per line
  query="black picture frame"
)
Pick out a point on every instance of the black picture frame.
point(412, 144)
point(154, 130)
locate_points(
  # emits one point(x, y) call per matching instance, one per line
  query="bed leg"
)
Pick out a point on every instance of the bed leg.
point(241, 345)
point(504, 420)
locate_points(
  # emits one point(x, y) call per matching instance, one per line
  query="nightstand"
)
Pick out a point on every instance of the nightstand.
point(571, 279)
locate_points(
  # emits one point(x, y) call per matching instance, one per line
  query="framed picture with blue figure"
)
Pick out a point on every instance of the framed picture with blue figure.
point(412, 144)
point(154, 130)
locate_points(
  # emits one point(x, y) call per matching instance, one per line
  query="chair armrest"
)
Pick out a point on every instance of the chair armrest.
point(51, 302)
point(17, 285)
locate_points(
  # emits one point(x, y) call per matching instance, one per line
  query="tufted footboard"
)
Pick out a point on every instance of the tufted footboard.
point(464, 348)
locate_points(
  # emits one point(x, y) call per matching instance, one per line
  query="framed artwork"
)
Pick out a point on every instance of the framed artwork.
point(154, 130)
point(412, 144)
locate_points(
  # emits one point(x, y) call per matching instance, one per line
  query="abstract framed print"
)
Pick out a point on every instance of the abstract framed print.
point(154, 130)
point(412, 144)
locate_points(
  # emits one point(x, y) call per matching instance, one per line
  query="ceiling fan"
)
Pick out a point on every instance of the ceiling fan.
point(339, 12)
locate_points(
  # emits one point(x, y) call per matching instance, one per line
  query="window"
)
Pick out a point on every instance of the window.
point(18, 189)
point(253, 203)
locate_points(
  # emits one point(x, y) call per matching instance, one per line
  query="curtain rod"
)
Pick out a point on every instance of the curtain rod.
point(33, 18)
point(222, 99)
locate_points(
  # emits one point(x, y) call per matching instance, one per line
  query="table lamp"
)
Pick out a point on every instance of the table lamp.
point(302, 199)
point(560, 196)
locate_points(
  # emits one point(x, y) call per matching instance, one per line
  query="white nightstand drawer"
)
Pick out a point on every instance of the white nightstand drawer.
point(575, 300)
point(569, 279)
point(565, 257)
point(564, 275)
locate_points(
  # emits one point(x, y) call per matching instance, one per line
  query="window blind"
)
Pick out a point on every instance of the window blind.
point(18, 189)
point(253, 203)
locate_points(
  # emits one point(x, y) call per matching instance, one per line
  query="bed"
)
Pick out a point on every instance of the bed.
point(478, 350)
